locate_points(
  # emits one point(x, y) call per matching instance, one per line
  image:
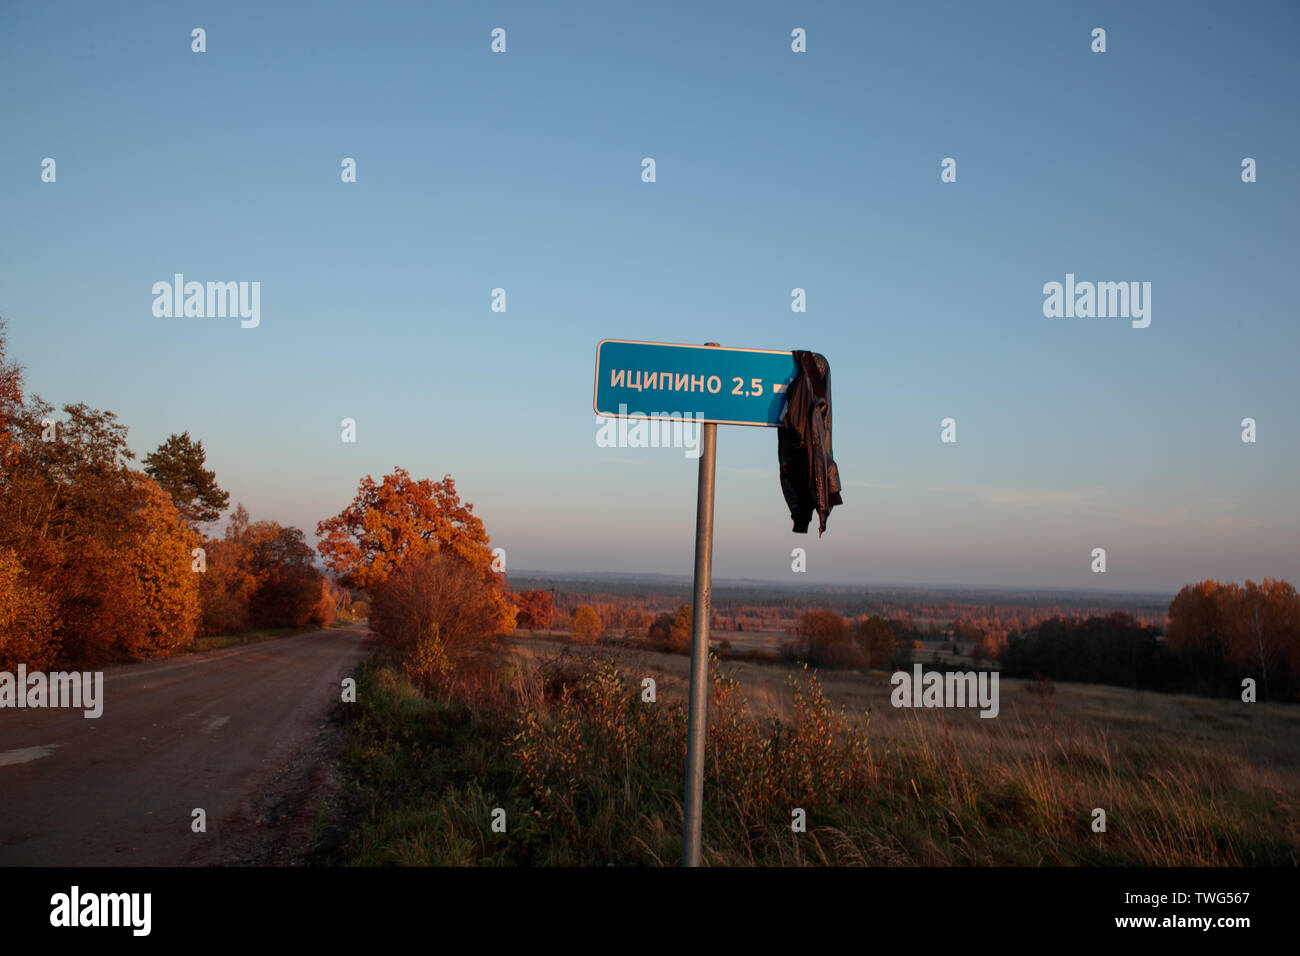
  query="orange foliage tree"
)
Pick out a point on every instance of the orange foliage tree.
point(875, 635)
point(261, 575)
point(824, 638)
point(99, 544)
point(680, 631)
point(167, 587)
point(96, 558)
point(288, 586)
point(1243, 629)
point(586, 624)
point(27, 618)
point(397, 518)
point(327, 604)
point(400, 519)
point(226, 588)
point(1198, 620)
point(535, 609)
point(1266, 629)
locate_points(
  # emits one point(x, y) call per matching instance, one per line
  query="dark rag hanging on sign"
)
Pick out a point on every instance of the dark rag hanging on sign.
point(809, 479)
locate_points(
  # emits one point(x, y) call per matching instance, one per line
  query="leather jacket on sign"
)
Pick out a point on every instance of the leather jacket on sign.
point(809, 479)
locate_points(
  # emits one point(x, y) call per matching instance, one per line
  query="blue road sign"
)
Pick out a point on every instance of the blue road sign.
point(697, 382)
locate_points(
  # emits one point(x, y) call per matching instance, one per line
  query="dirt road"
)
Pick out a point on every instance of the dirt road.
point(238, 733)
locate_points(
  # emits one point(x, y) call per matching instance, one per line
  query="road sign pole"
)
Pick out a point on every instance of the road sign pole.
point(697, 719)
point(721, 386)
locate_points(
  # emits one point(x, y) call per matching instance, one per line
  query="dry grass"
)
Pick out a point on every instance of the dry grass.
point(590, 774)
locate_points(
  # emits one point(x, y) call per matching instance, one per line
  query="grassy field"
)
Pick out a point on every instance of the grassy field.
point(757, 644)
point(587, 773)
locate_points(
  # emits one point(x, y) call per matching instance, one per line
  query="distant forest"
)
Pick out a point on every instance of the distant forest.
point(1210, 639)
point(968, 615)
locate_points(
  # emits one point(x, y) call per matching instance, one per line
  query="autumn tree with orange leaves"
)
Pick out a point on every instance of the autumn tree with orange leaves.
point(586, 624)
point(1225, 629)
point(400, 521)
point(536, 609)
point(260, 575)
point(398, 518)
point(100, 562)
point(94, 557)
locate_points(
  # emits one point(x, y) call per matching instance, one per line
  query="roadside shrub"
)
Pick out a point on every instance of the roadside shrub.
point(432, 599)
point(428, 661)
point(327, 606)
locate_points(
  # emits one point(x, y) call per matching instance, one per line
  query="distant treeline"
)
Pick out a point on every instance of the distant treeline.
point(1219, 635)
point(944, 603)
point(1114, 649)
point(632, 606)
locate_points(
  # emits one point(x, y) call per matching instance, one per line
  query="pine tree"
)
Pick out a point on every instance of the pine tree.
point(177, 465)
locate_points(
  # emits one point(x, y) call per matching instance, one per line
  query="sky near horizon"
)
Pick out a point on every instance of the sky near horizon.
point(775, 170)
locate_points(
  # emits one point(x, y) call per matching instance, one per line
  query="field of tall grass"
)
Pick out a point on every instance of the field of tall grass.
point(588, 773)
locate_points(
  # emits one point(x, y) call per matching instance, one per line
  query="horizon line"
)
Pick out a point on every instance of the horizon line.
point(687, 578)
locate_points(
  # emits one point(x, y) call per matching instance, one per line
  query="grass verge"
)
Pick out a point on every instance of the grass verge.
point(589, 773)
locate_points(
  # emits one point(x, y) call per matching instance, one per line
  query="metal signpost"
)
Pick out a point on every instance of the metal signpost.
point(713, 386)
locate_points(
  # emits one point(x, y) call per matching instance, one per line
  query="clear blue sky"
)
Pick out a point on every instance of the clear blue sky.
point(775, 170)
